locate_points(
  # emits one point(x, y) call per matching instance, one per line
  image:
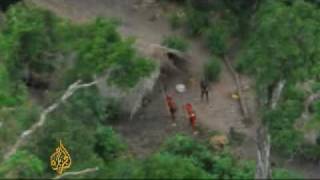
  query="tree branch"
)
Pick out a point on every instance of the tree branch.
point(75, 173)
point(243, 105)
point(306, 113)
point(276, 94)
point(43, 116)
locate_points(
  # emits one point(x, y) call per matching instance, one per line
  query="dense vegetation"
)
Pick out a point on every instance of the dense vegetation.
point(36, 48)
point(285, 46)
point(280, 46)
point(39, 51)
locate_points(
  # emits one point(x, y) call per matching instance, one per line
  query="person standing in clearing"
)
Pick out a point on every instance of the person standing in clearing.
point(191, 116)
point(204, 86)
point(172, 108)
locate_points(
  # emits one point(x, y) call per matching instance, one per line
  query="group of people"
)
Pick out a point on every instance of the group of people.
point(188, 108)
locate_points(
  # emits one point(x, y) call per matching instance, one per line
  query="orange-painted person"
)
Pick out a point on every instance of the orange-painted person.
point(172, 107)
point(191, 116)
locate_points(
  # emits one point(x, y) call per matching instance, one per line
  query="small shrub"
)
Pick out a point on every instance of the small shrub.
point(187, 147)
point(176, 20)
point(197, 21)
point(212, 70)
point(216, 39)
point(309, 152)
point(22, 164)
point(176, 167)
point(109, 145)
point(285, 174)
point(113, 110)
point(176, 42)
point(122, 168)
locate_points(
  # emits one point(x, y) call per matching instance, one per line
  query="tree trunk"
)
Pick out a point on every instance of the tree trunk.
point(276, 94)
point(263, 169)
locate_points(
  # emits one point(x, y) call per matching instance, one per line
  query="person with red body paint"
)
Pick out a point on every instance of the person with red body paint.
point(191, 116)
point(172, 107)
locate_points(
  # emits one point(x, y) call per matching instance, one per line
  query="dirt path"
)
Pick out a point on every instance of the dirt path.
point(151, 126)
point(222, 112)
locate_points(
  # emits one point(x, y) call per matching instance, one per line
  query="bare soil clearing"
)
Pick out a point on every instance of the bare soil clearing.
point(151, 126)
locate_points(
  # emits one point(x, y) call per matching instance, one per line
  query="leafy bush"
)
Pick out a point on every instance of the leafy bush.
point(158, 166)
point(218, 164)
point(112, 110)
point(197, 21)
point(285, 174)
point(22, 164)
point(212, 69)
point(187, 147)
point(11, 93)
point(245, 170)
point(176, 42)
point(176, 19)
point(166, 165)
point(75, 123)
point(109, 145)
point(217, 37)
point(122, 169)
point(309, 152)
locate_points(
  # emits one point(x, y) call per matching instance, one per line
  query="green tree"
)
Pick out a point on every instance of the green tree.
point(283, 50)
point(27, 41)
point(102, 48)
point(75, 123)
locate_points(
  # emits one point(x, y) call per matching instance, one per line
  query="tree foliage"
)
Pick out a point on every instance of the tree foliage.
point(22, 164)
point(109, 145)
point(220, 165)
point(26, 41)
point(101, 48)
point(284, 46)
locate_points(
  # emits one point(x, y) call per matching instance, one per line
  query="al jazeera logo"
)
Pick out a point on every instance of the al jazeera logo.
point(60, 160)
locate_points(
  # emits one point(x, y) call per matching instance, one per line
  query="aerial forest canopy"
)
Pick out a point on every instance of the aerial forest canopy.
point(50, 66)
